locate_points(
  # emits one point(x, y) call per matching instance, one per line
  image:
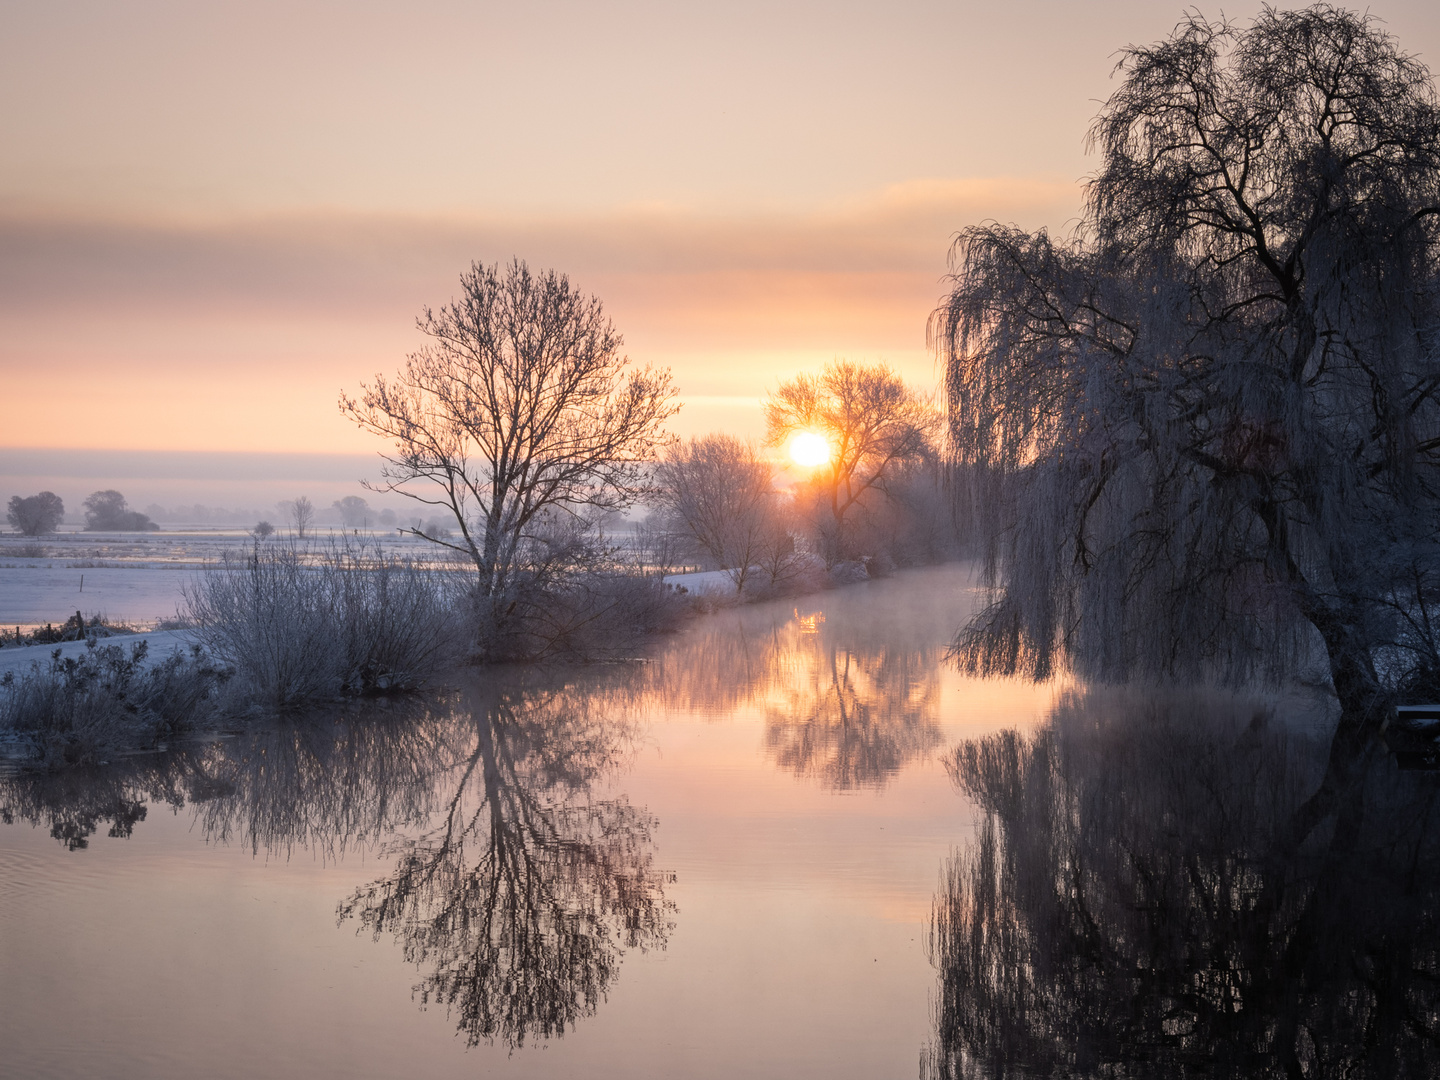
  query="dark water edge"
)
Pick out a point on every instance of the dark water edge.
point(1135, 903)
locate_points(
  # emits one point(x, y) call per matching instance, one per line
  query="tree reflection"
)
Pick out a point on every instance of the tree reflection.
point(1134, 906)
point(339, 779)
point(854, 719)
point(517, 883)
point(848, 701)
point(330, 783)
point(520, 901)
point(75, 803)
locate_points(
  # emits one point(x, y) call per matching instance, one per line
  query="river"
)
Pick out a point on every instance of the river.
point(719, 862)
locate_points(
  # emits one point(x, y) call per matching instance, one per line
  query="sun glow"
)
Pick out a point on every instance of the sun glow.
point(809, 449)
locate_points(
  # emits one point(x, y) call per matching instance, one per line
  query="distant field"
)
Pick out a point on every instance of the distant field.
point(128, 577)
point(34, 594)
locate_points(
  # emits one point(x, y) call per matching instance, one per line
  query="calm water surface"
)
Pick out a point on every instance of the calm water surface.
point(718, 864)
point(728, 862)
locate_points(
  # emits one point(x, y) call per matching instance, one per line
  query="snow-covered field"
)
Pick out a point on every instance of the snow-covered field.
point(139, 578)
point(134, 578)
point(161, 643)
point(37, 594)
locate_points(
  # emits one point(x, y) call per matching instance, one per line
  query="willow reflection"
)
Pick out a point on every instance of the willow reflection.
point(1134, 905)
point(519, 902)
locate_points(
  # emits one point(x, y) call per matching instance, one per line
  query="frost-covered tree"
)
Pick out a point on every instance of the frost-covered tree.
point(300, 512)
point(1204, 431)
point(719, 492)
point(520, 406)
point(353, 510)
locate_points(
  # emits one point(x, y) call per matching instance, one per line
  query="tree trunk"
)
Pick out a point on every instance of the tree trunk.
point(1364, 706)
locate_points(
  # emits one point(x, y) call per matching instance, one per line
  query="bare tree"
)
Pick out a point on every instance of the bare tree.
point(1206, 430)
point(872, 423)
point(779, 559)
point(721, 492)
point(300, 512)
point(520, 404)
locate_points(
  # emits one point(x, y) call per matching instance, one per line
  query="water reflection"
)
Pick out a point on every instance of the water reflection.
point(499, 859)
point(854, 719)
point(518, 904)
point(333, 782)
point(76, 804)
point(849, 696)
point(326, 785)
point(516, 887)
point(1133, 905)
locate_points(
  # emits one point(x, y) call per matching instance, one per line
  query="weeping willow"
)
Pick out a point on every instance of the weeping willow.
point(1201, 433)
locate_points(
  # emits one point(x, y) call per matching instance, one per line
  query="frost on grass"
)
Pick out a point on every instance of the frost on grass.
point(81, 710)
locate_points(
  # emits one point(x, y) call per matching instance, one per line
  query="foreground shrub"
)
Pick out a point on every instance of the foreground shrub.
point(300, 626)
point(78, 710)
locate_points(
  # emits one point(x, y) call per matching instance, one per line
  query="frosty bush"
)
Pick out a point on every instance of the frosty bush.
point(571, 599)
point(77, 710)
point(300, 625)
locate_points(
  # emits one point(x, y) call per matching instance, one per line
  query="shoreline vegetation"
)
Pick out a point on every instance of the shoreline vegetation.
point(522, 430)
point(287, 629)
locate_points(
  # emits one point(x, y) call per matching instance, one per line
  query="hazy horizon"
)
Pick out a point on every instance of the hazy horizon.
point(213, 222)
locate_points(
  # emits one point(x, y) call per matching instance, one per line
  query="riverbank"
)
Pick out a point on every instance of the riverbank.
point(285, 631)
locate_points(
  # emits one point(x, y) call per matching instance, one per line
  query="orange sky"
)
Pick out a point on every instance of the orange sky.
point(239, 333)
point(213, 220)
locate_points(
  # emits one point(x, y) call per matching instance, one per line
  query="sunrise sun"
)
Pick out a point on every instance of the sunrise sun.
point(809, 449)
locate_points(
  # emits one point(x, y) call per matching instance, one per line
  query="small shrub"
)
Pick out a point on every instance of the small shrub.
point(77, 710)
point(597, 616)
point(573, 601)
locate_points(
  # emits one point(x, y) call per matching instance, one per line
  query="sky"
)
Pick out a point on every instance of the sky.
point(215, 218)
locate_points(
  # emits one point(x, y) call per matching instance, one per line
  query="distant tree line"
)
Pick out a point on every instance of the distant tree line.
point(105, 511)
